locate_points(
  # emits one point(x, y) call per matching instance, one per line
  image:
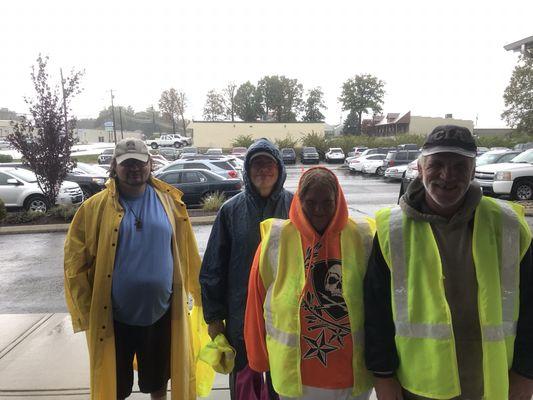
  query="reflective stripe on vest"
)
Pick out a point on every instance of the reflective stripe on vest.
point(500, 239)
point(279, 238)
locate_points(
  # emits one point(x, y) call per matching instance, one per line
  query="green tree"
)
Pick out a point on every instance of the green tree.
point(247, 102)
point(46, 137)
point(313, 105)
point(518, 97)
point(214, 106)
point(360, 94)
point(280, 96)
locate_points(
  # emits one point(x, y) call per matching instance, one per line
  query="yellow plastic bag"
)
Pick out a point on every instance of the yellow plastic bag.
point(205, 375)
point(219, 354)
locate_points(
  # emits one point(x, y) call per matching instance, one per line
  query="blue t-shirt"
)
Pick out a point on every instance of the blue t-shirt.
point(142, 277)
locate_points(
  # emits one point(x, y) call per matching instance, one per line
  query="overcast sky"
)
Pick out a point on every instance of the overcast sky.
point(435, 57)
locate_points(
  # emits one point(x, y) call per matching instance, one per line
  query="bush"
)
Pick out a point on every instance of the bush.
point(66, 213)
point(3, 211)
point(242, 141)
point(288, 142)
point(316, 140)
point(22, 217)
point(5, 158)
point(213, 202)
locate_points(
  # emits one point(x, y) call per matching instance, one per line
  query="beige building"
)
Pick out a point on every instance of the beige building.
point(87, 136)
point(221, 134)
point(396, 123)
point(5, 127)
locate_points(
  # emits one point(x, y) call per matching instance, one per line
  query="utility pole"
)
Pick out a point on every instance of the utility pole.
point(153, 119)
point(113, 112)
point(64, 101)
point(121, 130)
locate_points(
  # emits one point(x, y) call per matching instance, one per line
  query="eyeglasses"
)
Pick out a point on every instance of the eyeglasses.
point(131, 163)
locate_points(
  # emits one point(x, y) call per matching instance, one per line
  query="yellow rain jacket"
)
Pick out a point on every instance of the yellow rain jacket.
point(90, 249)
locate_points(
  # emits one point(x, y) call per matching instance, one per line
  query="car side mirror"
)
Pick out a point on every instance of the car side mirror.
point(13, 181)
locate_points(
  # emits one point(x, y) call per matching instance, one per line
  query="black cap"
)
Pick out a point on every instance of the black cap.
point(450, 139)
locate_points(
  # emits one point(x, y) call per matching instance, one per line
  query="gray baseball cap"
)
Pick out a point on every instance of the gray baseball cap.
point(131, 148)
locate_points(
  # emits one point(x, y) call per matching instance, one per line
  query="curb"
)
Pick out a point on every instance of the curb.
point(50, 228)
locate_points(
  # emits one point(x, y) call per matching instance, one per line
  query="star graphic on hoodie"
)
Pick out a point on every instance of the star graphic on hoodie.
point(318, 348)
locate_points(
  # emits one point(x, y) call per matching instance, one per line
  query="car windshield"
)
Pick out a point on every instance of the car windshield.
point(287, 151)
point(487, 159)
point(90, 169)
point(24, 175)
point(336, 150)
point(525, 157)
point(192, 150)
point(309, 150)
point(108, 151)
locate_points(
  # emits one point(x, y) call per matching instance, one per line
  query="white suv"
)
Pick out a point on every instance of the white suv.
point(335, 154)
point(19, 188)
point(514, 178)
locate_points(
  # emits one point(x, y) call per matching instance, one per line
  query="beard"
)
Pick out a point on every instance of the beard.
point(445, 202)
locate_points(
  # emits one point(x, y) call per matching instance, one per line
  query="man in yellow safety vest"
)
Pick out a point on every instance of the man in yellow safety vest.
point(449, 287)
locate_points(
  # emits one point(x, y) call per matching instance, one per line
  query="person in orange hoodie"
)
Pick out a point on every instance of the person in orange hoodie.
point(304, 313)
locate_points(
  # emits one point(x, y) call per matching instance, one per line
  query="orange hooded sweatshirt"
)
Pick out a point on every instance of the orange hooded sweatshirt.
point(325, 341)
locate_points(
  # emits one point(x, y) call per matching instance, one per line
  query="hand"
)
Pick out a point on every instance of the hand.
point(388, 389)
point(520, 388)
point(214, 328)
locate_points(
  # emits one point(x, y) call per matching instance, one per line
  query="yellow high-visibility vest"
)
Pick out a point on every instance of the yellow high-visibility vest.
point(424, 333)
point(281, 267)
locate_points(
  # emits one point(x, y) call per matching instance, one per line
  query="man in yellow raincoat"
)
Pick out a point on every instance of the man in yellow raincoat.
point(130, 262)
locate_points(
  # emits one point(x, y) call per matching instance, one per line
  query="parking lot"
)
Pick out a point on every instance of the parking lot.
point(31, 275)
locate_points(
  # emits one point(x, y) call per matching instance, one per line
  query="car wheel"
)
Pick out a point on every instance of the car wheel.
point(177, 145)
point(36, 203)
point(154, 146)
point(380, 171)
point(522, 190)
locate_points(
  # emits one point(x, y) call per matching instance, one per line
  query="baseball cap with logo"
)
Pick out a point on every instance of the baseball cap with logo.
point(131, 148)
point(450, 139)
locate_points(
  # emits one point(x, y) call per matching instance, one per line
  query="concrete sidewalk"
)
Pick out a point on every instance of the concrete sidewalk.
point(41, 357)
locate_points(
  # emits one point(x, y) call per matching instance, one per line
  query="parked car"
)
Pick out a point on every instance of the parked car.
point(356, 165)
point(496, 157)
point(377, 150)
point(188, 151)
point(239, 152)
point(19, 188)
point(214, 152)
point(170, 153)
point(373, 165)
point(334, 154)
point(409, 175)
point(482, 150)
point(106, 156)
point(221, 166)
point(398, 157)
point(395, 173)
point(90, 178)
point(408, 146)
point(523, 146)
point(288, 155)
point(514, 178)
point(197, 184)
point(357, 151)
point(309, 155)
point(173, 140)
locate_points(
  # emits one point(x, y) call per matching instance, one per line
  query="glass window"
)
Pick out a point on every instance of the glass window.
point(4, 178)
point(193, 165)
point(174, 167)
point(171, 178)
point(25, 175)
point(413, 155)
point(223, 164)
point(401, 156)
point(190, 177)
point(507, 157)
